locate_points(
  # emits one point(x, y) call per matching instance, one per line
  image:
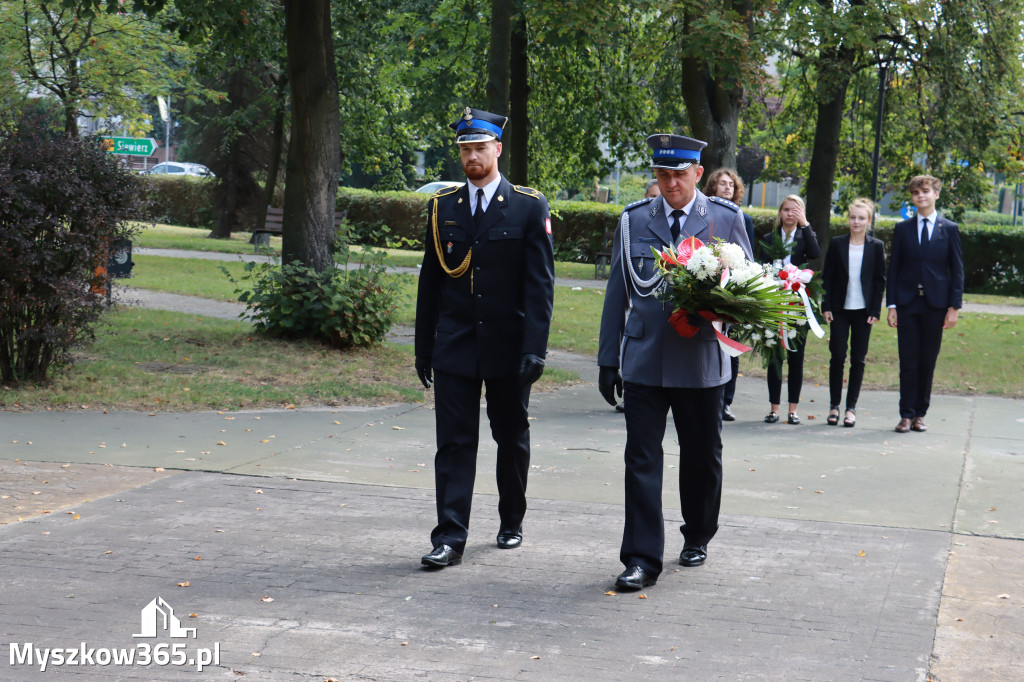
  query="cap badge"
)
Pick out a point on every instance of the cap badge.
point(468, 116)
point(665, 141)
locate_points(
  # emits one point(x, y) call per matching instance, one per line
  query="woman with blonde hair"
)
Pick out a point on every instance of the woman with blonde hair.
point(854, 281)
point(801, 243)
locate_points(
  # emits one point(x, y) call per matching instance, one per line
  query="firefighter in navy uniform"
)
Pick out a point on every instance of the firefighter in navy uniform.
point(660, 370)
point(483, 310)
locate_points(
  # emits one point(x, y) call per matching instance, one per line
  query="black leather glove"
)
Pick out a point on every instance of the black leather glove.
point(609, 382)
point(424, 371)
point(530, 369)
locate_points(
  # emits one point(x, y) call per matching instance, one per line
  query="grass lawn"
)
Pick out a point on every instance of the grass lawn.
point(148, 359)
point(157, 360)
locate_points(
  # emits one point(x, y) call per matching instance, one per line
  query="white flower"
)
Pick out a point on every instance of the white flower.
point(732, 255)
point(703, 264)
point(769, 343)
point(755, 337)
point(768, 334)
point(791, 333)
point(802, 320)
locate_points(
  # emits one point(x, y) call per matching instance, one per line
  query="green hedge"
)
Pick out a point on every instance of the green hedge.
point(176, 200)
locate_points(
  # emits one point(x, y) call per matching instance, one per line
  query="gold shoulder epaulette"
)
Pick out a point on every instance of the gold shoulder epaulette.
point(528, 191)
point(445, 191)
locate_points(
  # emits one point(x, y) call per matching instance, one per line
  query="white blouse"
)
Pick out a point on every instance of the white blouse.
point(854, 291)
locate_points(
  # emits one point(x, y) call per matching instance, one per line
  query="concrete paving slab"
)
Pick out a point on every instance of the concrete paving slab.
point(778, 599)
point(981, 617)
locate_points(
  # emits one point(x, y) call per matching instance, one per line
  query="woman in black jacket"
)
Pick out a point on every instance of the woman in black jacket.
point(791, 226)
point(854, 281)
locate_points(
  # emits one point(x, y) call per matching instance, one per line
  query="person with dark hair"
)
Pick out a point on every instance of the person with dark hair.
point(640, 353)
point(854, 281)
point(483, 310)
point(924, 295)
point(652, 190)
point(725, 183)
point(796, 234)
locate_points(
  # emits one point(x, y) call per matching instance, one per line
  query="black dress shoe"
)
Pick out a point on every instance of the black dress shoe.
point(727, 415)
point(510, 539)
point(442, 556)
point(634, 578)
point(693, 555)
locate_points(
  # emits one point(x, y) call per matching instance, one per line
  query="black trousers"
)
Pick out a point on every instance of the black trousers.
point(457, 413)
point(852, 325)
point(795, 362)
point(919, 338)
point(730, 388)
point(697, 413)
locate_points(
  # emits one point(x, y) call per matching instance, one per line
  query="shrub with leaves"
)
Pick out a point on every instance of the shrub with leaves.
point(348, 306)
point(63, 201)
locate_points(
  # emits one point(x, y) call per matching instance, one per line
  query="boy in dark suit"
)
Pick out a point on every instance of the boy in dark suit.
point(925, 291)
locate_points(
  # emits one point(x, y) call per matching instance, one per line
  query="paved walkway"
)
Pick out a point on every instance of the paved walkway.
point(290, 539)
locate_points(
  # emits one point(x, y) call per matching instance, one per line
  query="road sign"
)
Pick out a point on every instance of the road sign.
point(134, 146)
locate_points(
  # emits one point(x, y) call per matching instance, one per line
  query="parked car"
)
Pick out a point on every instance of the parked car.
point(432, 187)
point(180, 168)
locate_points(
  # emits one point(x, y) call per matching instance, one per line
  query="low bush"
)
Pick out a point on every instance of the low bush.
point(179, 200)
point(63, 202)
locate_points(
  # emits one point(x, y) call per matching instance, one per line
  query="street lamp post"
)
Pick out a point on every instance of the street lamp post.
point(883, 77)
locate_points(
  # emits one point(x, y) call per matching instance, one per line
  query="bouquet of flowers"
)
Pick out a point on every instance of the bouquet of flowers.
point(717, 284)
point(773, 343)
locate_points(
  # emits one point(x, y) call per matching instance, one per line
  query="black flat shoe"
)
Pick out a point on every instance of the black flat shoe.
point(833, 419)
point(441, 556)
point(693, 555)
point(771, 418)
point(793, 418)
point(727, 414)
point(510, 538)
point(850, 422)
point(634, 578)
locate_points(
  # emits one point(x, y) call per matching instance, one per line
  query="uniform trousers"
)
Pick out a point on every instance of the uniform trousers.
point(457, 413)
point(919, 338)
point(852, 325)
point(697, 413)
point(795, 361)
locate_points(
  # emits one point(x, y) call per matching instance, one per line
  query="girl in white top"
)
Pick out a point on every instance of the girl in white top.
point(854, 281)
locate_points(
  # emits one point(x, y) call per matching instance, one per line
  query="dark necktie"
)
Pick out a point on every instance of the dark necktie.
point(924, 233)
point(478, 215)
point(676, 214)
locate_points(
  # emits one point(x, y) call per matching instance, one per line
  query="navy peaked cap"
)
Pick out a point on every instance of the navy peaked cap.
point(674, 152)
point(478, 126)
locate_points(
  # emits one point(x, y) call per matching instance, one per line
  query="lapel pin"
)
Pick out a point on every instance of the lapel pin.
point(460, 200)
point(702, 211)
point(449, 247)
point(501, 198)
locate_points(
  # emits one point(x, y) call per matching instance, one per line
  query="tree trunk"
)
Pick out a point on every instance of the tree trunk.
point(498, 64)
point(835, 69)
point(276, 145)
point(228, 189)
point(517, 148)
point(314, 153)
point(713, 106)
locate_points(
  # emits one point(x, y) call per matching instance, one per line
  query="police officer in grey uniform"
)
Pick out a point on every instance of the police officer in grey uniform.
point(483, 311)
point(640, 353)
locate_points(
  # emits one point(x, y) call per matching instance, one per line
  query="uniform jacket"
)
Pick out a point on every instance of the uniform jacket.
point(481, 323)
point(939, 266)
point(835, 277)
point(805, 245)
point(635, 334)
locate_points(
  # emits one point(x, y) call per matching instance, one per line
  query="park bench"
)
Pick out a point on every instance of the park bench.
point(275, 223)
point(604, 256)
